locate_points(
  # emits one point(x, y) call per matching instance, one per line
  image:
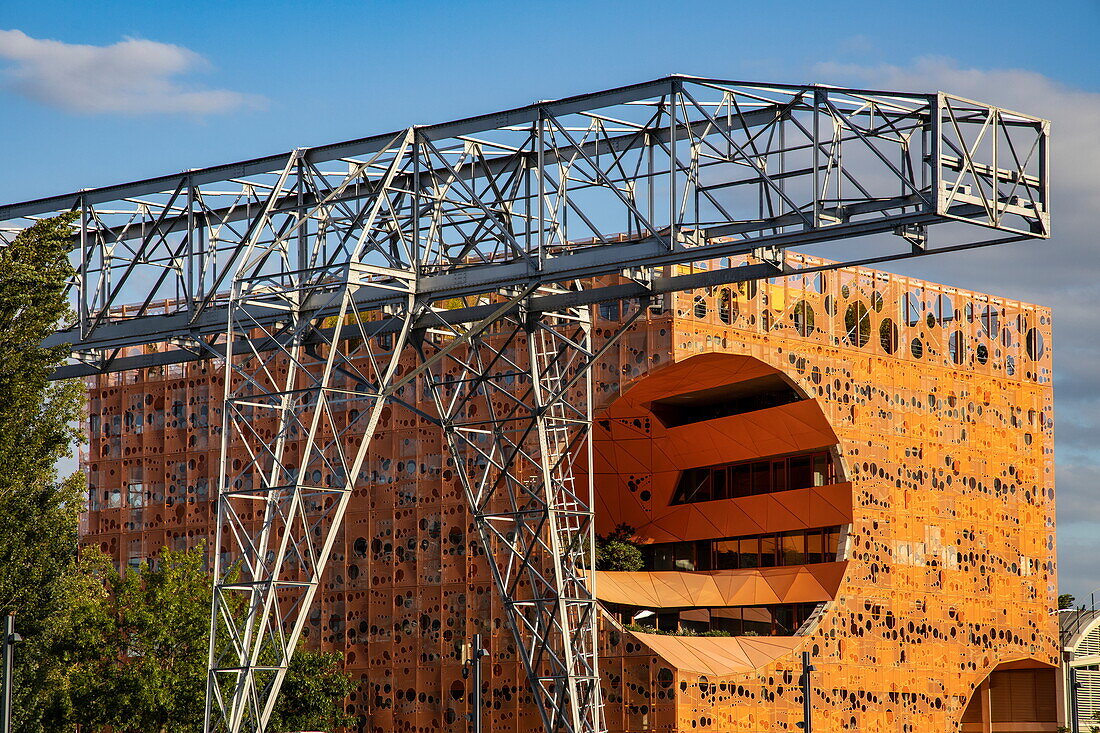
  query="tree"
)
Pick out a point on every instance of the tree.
point(1065, 600)
point(101, 648)
point(313, 693)
point(136, 647)
point(617, 551)
point(135, 644)
point(38, 427)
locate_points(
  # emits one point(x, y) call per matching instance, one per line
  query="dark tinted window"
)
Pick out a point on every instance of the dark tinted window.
point(735, 480)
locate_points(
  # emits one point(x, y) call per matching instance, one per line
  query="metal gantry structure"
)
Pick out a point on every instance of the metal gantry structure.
point(462, 259)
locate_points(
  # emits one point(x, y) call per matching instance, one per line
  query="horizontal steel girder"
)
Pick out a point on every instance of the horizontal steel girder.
point(640, 177)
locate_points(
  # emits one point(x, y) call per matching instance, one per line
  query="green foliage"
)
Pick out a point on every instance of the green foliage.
point(313, 693)
point(643, 629)
point(1066, 600)
point(38, 427)
point(102, 648)
point(617, 551)
point(136, 646)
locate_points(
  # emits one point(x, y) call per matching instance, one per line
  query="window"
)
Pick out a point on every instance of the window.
point(134, 422)
point(695, 485)
point(815, 547)
point(762, 478)
point(888, 336)
point(783, 620)
point(135, 556)
point(727, 311)
point(769, 552)
point(749, 478)
point(803, 316)
point(857, 322)
point(801, 547)
point(726, 555)
point(956, 347)
point(793, 549)
point(718, 481)
point(801, 471)
point(945, 308)
point(684, 556)
point(1034, 344)
point(135, 494)
point(700, 307)
point(748, 553)
point(661, 556)
point(734, 399)
point(779, 474)
point(821, 469)
point(913, 307)
point(990, 318)
point(740, 481)
point(704, 555)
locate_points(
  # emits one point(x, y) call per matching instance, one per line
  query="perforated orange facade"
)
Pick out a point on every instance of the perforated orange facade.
point(849, 463)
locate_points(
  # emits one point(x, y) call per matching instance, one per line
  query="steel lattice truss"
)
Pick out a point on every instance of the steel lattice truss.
point(470, 248)
point(515, 407)
point(279, 511)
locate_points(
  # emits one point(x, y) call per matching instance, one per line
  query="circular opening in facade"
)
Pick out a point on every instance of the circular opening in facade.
point(698, 470)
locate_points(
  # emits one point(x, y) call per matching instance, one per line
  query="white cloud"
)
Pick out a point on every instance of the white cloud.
point(131, 77)
point(857, 44)
point(1063, 273)
point(1073, 112)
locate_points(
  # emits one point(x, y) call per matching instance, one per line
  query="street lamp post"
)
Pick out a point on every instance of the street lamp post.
point(473, 654)
point(807, 694)
point(9, 641)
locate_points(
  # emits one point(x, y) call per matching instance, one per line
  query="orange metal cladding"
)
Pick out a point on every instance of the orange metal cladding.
point(935, 402)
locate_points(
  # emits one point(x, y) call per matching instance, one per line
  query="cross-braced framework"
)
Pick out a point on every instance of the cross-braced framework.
point(515, 405)
point(325, 262)
point(280, 508)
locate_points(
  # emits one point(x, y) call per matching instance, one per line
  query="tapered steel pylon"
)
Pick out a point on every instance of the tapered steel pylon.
point(515, 405)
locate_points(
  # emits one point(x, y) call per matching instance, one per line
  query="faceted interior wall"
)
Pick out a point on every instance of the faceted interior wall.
point(941, 402)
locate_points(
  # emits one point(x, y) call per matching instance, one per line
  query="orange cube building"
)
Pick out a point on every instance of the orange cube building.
point(849, 463)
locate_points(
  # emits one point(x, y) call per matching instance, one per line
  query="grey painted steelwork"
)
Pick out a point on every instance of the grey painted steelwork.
point(650, 174)
point(515, 408)
point(471, 245)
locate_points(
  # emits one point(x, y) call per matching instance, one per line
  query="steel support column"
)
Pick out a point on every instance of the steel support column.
point(515, 406)
point(291, 457)
point(302, 401)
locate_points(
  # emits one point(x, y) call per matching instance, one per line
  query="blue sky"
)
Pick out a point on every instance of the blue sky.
point(338, 70)
point(242, 79)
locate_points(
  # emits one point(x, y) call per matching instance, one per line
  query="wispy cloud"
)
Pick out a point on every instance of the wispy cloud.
point(131, 77)
point(1063, 273)
point(857, 45)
